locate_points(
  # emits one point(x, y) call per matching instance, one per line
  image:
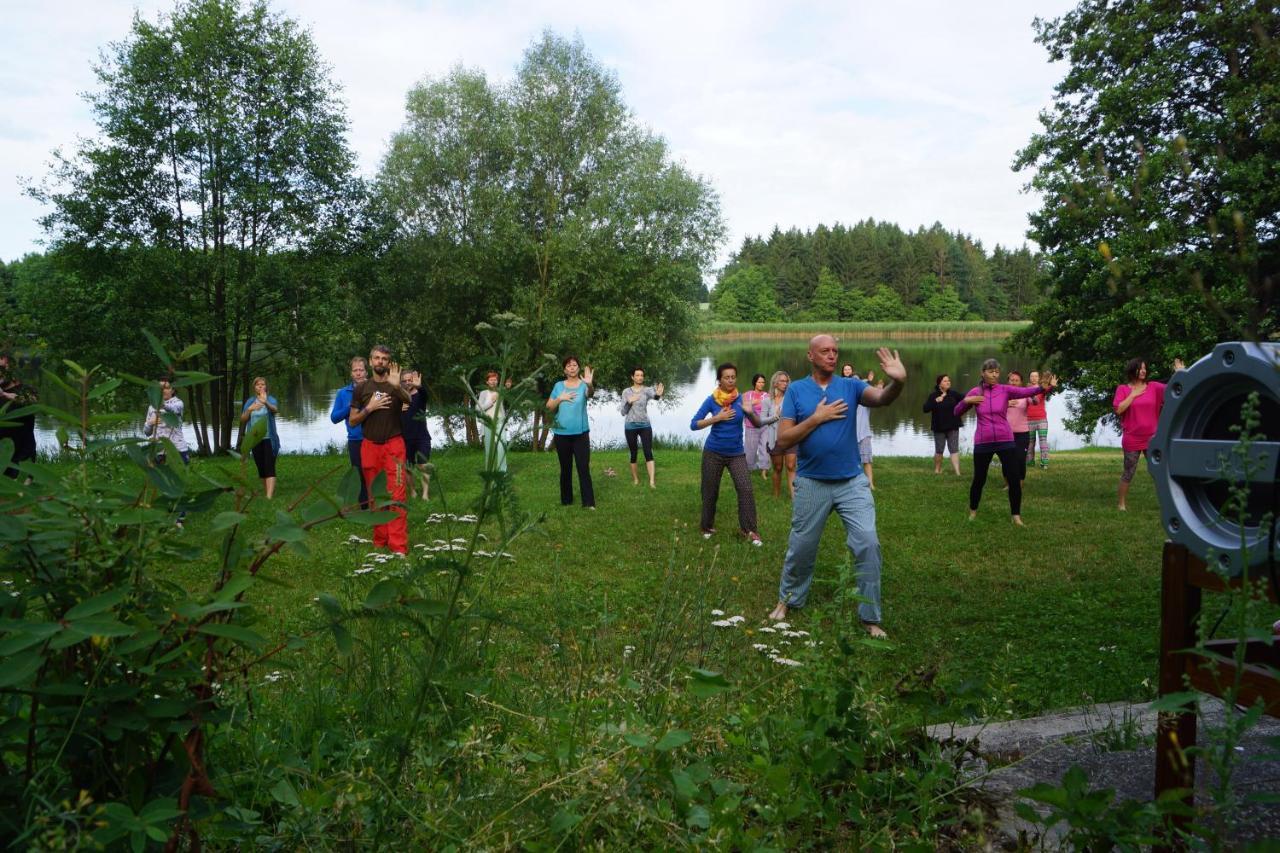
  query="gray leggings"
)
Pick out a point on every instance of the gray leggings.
point(713, 465)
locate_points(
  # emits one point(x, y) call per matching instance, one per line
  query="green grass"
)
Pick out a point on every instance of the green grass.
point(1061, 612)
point(942, 330)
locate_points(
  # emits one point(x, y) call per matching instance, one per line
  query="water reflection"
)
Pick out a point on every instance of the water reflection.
point(899, 430)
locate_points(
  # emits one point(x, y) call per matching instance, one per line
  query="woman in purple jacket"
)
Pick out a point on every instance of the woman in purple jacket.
point(994, 436)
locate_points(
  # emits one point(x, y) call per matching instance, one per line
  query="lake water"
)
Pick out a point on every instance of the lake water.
point(898, 430)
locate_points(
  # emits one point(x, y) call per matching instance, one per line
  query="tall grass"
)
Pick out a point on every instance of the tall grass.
point(937, 330)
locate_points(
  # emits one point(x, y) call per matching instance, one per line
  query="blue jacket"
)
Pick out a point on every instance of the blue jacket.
point(342, 410)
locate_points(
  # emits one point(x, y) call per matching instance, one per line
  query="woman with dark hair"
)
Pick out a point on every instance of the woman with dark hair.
point(753, 438)
point(635, 422)
point(568, 402)
point(723, 412)
point(1038, 425)
point(941, 404)
point(994, 437)
point(1137, 404)
point(1017, 416)
point(262, 405)
point(782, 459)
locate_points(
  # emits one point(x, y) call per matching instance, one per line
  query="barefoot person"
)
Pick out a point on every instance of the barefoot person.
point(635, 422)
point(941, 405)
point(994, 436)
point(1038, 424)
point(1018, 422)
point(339, 414)
point(724, 413)
point(413, 429)
point(1137, 404)
point(568, 402)
point(262, 405)
point(816, 418)
point(375, 406)
point(782, 458)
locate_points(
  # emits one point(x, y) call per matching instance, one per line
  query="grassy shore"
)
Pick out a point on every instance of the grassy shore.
point(959, 330)
point(1061, 612)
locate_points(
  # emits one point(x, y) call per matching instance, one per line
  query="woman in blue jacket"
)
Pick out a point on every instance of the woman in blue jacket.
point(723, 412)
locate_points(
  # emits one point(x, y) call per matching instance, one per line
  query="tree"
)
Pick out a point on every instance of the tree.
point(829, 301)
point(746, 294)
point(1161, 219)
point(548, 199)
point(221, 142)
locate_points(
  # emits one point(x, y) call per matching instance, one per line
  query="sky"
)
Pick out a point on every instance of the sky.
point(798, 114)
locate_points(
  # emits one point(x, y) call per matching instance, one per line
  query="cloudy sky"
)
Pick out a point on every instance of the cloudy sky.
point(798, 113)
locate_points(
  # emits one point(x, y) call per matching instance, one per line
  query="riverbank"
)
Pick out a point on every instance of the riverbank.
point(906, 331)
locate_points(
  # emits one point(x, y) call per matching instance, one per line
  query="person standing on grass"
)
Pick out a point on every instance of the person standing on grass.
point(1037, 424)
point(993, 436)
point(635, 422)
point(375, 406)
point(156, 427)
point(413, 428)
point(16, 394)
point(262, 405)
point(341, 413)
point(572, 429)
point(782, 458)
point(862, 429)
point(941, 404)
point(815, 417)
point(1017, 416)
point(489, 405)
point(724, 413)
point(1137, 404)
point(753, 437)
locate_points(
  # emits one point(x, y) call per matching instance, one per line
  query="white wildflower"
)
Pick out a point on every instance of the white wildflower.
point(717, 612)
point(760, 647)
point(767, 630)
point(724, 623)
point(273, 677)
point(787, 662)
point(782, 626)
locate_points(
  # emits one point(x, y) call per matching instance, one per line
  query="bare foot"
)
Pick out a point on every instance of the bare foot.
point(1017, 519)
point(1122, 508)
point(875, 631)
point(973, 513)
point(779, 613)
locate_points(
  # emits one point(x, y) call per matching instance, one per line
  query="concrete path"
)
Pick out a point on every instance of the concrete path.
point(1113, 744)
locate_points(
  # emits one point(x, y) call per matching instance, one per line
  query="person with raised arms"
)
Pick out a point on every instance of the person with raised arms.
point(1137, 403)
point(572, 429)
point(816, 418)
point(635, 422)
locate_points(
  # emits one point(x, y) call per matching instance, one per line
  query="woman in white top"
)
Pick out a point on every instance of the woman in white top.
point(487, 401)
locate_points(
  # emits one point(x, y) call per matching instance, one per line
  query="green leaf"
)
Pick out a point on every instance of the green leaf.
point(329, 604)
point(286, 529)
point(638, 739)
point(284, 793)
point(237, 633)
point(371, 517)
point(17, 669)
point(237, 584)
point(382, 594)
point(12, 527)
point(97, 604)
point(224, 520)
point(706, 683)
point(349, 487)
point(192, 351)
point(1176, 702)
point(158, 349)
point(25, 638)
point(342, 639)
point(105, 388)
point(685, 787)
point(101, 626)
point(672, 740)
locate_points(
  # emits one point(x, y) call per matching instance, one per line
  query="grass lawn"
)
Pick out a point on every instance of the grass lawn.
point(1061, 612)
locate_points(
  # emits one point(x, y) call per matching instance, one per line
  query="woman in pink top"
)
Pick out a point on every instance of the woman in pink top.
point(1017, 415)
point(993, 437)
point(1137, 404)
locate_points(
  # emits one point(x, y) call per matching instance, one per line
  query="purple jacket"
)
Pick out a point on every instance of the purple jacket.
point(993, 420)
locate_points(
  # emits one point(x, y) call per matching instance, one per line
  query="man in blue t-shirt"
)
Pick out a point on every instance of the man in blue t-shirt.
point(341, 413)
point(818, 416)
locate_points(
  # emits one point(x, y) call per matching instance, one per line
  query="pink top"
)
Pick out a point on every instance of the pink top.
point(993, 411)
point(1138, 422)
point(1017, 416)
point(755, 401)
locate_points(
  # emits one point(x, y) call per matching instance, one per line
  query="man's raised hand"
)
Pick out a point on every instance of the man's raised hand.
point(393, 373)
point(891, 364)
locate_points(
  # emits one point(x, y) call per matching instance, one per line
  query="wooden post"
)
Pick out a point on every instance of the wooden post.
point(1179, 610)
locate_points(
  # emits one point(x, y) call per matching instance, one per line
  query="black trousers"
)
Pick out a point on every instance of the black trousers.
point(1021, 440)
point(575, 450)
point(353, 453)
point(640, 436)
point(1010, 459)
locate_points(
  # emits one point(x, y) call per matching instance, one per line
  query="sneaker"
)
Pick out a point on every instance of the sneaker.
point(754, 539)
point(707, 534)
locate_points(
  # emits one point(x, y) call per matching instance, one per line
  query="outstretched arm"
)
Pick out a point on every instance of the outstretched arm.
point(893, 368)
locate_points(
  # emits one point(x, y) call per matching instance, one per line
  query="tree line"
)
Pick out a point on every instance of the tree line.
point(876, 272)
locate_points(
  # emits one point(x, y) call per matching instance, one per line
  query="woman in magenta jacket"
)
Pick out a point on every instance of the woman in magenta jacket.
point(1137, 404)
point(994, 436)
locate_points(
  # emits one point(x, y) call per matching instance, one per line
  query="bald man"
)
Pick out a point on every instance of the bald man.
point(818, 417)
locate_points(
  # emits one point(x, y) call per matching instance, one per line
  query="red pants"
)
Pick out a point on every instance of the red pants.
point(388, 457)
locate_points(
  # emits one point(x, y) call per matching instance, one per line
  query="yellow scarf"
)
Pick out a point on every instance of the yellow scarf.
point(722, 399)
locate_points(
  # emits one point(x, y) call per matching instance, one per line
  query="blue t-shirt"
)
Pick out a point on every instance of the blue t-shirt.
point(830, 452)
point(725, 437)
point(571, 417)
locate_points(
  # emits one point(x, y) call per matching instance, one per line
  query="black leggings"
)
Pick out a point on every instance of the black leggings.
point(1021, 440)
point(264, 456)
point(575, 450)
point(1009, 461)
point(642, 436)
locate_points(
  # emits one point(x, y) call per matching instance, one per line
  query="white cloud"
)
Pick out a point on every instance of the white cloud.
point(798, 114)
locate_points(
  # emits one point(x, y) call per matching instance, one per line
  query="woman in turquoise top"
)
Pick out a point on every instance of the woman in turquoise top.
point(568, 402)
point(262, 405)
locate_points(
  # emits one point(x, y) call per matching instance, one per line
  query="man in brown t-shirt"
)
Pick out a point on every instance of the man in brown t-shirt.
point(375, 408)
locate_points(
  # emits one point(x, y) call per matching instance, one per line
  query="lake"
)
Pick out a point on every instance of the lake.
point(898, 430)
